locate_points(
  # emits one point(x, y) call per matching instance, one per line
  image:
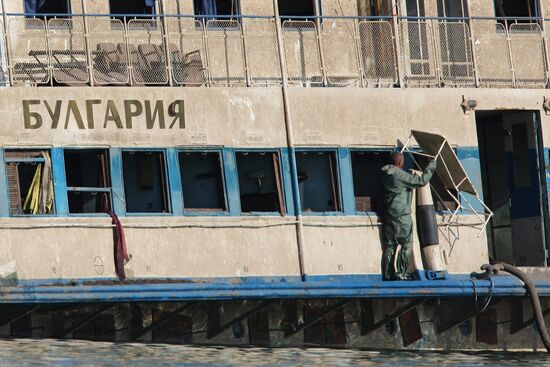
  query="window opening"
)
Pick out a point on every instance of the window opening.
point(202, 180)
point(366, 167)
point(318, 181)
point(145, 184)
point(415, 8)
point(217, 7)
point(88, 181)
point(134, 7)
point(260, 182)
point(442, 199)
point(452, 8)
point(374, 8)
point(516, 8)
point(30, 182)
point(38, 7)
point(303, 8)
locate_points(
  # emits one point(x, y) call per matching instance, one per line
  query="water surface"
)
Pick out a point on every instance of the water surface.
point(24, 353)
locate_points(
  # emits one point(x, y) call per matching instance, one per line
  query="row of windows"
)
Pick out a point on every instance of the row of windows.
point(89, 176)
point(445, 8)
point(146, 7)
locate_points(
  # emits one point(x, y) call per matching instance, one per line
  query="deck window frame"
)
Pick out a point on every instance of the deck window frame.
point(336, 175)
point(283, 194)
point(109, 189)
point(5, 208)
point(196, 212)
point(167, 188)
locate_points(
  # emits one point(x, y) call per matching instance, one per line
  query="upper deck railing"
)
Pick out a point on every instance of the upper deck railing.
point(178, 50)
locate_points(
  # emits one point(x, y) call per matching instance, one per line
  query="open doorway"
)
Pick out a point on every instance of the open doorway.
point(514, 186)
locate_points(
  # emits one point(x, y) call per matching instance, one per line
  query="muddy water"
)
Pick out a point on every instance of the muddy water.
point(79, 353)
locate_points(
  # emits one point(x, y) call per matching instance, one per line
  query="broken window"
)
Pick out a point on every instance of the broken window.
point(145, 185)
point(318, 181)
point(443, 200)
point(217, 7)
point(134, 7)
point(516, 8)
point(88, 180)
point(38, 7)
point(415, 8)
point(374, 8)
point(302, 8)
point(30, 182)
point(260, 184)
point(452, 8)
point(202, 180)
point(366, 167)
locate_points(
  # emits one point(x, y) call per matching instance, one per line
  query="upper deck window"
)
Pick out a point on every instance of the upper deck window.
point(452, 8)
point(30, 182)
point(302, 8)
point(415, 8)
point(38, 7)
point(374, 8)
point(134, 7)
point(516, 8)
point(217, 7)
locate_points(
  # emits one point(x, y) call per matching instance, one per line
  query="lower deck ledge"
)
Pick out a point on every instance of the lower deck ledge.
point(37, 292)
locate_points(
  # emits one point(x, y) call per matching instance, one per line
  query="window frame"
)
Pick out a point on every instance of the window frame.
point(336, 176)
point(282, 194)
point(383, 150)
point(229, 17)
point(197, 212)
point(168, 189)
point(90, 189)
point(124, 18)
point(45, 17)
point(8, 161)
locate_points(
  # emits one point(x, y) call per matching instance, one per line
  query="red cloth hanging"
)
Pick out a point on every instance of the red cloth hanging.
point(120, 252)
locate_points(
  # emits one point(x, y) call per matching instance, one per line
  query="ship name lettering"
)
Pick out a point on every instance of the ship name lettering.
point(70, 114)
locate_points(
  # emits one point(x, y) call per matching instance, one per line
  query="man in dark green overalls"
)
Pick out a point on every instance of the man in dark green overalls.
point(397, 228)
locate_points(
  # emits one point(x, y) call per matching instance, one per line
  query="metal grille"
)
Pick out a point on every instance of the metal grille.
point(339, 42)
point(262, 52)
point(28, 51)
point(378, 57)
point(108, 51)
point(226, 63)
point(303, 60)
point(187, 50)
point(417, 48)
point(4, 75)
point(527, 46)
point(147, 53)
point(68, 51)
point(492, 54)
point(455, 53)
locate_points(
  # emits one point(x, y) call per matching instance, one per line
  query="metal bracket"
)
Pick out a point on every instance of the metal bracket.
point(313, 321)
point(395, 314)
point(163, 321)
point(212, 333)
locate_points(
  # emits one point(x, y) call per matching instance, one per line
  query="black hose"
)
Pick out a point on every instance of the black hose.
point(537, 309)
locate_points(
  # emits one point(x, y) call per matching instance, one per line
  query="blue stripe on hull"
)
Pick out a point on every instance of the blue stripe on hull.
point(370, 286)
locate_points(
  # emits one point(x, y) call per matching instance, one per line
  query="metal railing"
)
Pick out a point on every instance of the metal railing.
point(101, 50)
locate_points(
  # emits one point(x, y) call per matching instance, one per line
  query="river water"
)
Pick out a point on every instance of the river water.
point(24, 353)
